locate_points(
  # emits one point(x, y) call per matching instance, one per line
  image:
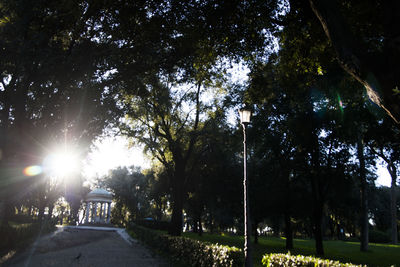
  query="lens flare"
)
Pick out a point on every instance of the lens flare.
point(340, 103)
point(32, 170)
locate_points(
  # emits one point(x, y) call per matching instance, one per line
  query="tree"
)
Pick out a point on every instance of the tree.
point(159, 191)
point(130, 189)
point(383, 146)
point(169, 133)
point(51, 88)
point(365, 36)
point(217, 175)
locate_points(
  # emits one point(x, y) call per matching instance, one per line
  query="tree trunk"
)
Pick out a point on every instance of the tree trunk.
point(318, 213)
point(195, 227)
point(41, 213)
point(51, 208)
point(363, 189)
point(393, 203)
point(317, 199)
point(255, 232)
point(276, 226)
point(200, 226)
point(30, 211)
point(177, 202)
point(41, 195)
point(159, 210)
point(288, 231)
point(74, 211)
point(316, 186)
point(340, 234)
point(286, 212)
point(211, 223)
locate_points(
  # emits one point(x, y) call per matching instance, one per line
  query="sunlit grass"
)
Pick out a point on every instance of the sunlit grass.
point(378, 254)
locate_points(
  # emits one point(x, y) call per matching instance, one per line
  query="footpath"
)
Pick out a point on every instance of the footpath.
point(86, 246)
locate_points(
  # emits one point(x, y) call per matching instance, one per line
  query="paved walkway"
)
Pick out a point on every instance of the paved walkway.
point(87, 246)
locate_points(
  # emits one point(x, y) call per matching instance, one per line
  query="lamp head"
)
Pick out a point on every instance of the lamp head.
point(245, 116)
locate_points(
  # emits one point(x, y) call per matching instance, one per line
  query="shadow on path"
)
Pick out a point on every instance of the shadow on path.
point(84, 246)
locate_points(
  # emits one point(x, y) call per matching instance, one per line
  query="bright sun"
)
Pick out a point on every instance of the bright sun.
point(61, 163)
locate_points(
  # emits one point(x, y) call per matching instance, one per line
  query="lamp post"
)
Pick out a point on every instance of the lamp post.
point(245, 115)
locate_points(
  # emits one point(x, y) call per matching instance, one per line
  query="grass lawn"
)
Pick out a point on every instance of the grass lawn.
point(378, 254)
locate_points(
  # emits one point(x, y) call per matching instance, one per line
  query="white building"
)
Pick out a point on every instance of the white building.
point(98, 206)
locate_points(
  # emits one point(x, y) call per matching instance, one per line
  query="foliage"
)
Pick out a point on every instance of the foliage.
point(376, 236)
point(69, 69)
point(153, 224)
point(362, 34)
point(212, 201)
point(378, 254)
point(52, 96)
point(190, 252)
point(18, 235)
point(131, 190)
point(270, 260)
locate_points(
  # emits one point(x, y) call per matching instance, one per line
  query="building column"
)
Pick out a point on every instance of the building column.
point(87, 212)
point(101, 212)
point(105, 213)
point(94, 212)
point(109, 212)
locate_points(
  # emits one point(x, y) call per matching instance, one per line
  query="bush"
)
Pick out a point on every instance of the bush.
point(19, 235)
point(376, 236)
point(190, 252)
point(153, 224)
point(271, 260)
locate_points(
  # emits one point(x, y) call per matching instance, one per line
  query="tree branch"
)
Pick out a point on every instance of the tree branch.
point(193, 134)
point(360, 67)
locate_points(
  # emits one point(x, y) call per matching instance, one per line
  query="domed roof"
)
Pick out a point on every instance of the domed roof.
point(99, 194)
point(99, 191)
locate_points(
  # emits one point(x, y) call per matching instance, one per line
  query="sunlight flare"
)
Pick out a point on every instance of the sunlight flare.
point(61, 163)
point(32, 170)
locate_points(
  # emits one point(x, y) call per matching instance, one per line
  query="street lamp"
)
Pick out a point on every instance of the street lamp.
point(245, 115)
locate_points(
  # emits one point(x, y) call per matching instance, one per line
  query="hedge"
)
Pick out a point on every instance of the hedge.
point(276, 259)
point(155, 225)
point(376, 236)
point(189, 252)
point(21, 234)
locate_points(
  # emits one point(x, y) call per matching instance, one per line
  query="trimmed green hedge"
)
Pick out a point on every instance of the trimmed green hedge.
point(276, 259)
point(190, 252)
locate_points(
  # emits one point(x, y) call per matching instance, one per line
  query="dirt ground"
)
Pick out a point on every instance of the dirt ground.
point(78, 247)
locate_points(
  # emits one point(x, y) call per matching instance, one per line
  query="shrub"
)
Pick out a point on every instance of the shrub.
point(153, 224)
point(19, 235)
point(272, 260)
point(190, 252)
point(376, 236)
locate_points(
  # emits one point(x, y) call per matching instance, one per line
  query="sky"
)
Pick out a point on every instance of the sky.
point(383, 177)
point(111, 152)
